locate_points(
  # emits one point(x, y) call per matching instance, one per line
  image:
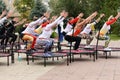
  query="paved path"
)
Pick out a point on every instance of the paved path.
point(82, 69)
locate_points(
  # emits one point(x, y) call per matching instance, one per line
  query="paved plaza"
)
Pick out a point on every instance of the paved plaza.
point(81, 69)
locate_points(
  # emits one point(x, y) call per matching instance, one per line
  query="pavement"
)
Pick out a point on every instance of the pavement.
point(81, 69)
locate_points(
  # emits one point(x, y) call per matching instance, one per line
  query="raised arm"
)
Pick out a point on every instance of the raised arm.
point(99, 18)
point(20, 22)
point(113, 20)
point(87, 19)
point(3, 14)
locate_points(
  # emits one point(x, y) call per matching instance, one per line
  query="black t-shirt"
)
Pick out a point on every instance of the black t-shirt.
point(11, 27)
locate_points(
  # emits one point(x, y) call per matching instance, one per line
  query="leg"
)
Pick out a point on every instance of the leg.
point(107, 41)
point(89, 39)
point(75, 39)
point(28, 38)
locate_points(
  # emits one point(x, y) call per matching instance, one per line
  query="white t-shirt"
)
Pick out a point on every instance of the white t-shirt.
point(47, 31)
point(68, 28)
point(31, 27)
point(105, 29)
point(88, 28)
point(2, 20)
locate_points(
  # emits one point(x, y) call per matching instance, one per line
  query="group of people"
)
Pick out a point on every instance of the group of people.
point(7, 28)
point(38, 32)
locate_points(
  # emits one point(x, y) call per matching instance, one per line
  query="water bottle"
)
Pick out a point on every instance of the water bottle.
point(19, 58)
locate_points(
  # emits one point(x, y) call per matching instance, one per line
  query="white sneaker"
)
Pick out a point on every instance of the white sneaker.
point(107, 49)
point(88, 46)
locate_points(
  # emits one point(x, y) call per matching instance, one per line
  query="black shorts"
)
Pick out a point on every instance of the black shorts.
point(21, 35)
point(64, 33)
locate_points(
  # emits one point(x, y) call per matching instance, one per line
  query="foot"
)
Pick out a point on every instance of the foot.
point(107, 48)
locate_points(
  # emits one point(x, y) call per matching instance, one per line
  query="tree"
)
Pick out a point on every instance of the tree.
point(72, 6)
point(24, 7)
point(2, 6)
point(38, 9)
point(108, 7)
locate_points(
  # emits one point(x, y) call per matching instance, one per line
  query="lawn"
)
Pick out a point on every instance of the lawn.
point(114, 37)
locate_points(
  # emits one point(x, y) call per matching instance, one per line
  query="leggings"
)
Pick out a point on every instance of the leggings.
point(48, 43)
point(75, 39)
point(31, 38)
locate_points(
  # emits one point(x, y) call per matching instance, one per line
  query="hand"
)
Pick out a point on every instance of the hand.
point(81, 15)
point(24, 20)
point(102, 15)
point(65, 14)
point(54, 17)
point(4, 12)
point(47, 14)
point(94, 14)
point(62, 13)
point(9, 14)
point(119, 13)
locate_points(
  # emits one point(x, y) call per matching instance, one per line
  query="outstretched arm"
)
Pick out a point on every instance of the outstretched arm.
point(20, 22)
point(3, 14)
point(99, 18)
point(113, 20)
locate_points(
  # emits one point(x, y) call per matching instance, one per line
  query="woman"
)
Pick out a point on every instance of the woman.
point(72, 36)
point(29, 33)
point(89, 28)
point(44, 38)
point(106, 27)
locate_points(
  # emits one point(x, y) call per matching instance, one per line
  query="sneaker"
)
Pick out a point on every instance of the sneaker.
point(69, 44)
point(2, 46)
point(48, 54)
point(88, 46)
point(107, 49)
point(30, 51)
point(33, 49)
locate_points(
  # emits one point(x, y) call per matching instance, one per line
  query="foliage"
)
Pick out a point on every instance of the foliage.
point(2, 6)
point(38, 9)
point(114, 37)
point(24, 7)
point(108, 7)
point(58, 5)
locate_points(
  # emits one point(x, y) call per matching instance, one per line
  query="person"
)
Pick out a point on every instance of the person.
point(43, 25)
point(3, 23)
point(72, 36)
point(3, 17)
point(105, 29)
point(89, 30)
point(71, 23)
point(10, 30)
point(29, 34)
point(44, 38)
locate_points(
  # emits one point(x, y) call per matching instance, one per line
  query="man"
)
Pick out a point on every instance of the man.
point(72, 36)
point(44, 38)
point(106, 27)
point(89, 28)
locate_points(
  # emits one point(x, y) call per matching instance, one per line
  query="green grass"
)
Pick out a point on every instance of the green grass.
point(114, 37)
